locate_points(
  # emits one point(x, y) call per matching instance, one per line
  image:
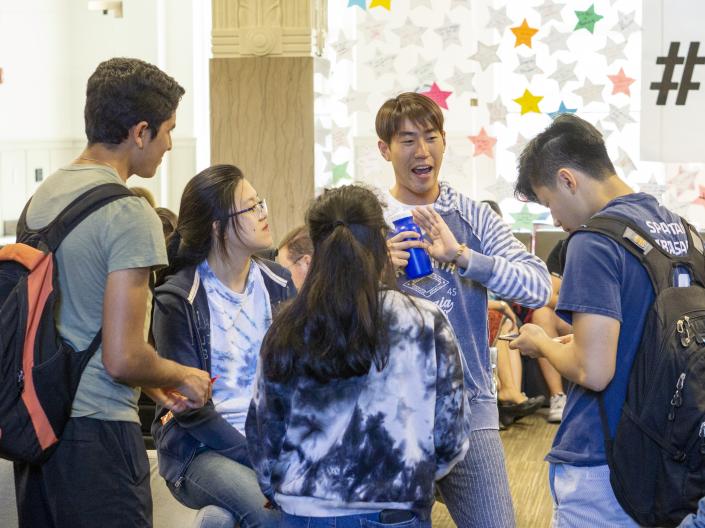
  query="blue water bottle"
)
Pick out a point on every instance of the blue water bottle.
point(419, 262)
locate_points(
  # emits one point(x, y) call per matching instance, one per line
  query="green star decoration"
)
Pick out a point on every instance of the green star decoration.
point(524, 219)
point(340, 173)
point(587, 19)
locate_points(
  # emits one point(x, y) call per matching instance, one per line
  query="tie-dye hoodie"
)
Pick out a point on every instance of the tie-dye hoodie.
point(370, 442)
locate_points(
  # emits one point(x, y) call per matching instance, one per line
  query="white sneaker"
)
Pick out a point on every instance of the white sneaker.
point(555, 413)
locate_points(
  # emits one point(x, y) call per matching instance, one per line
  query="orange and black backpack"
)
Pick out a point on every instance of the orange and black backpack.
point(39, 371)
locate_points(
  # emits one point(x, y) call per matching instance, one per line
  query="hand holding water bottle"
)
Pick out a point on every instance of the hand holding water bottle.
point(444, 247)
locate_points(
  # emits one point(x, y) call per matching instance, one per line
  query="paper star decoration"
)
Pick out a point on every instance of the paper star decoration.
point(340, 138)
point(501, 188)
point(387, 4)
point(625, 162)
point(523, 34)
point(529, 102)
point(683, 181)
point(449, 32)
point(613, 51)
point(410, 34)
point(619, 117)
point(498, 19)
point(550, 10)
point(518, 145)
point(587, 19)
point(484, 143)
point(356, 101)
point(437, 95)
point(620, 82)
point(485, 54)
point(340, 173)
point(497, 110)
point(590, 92)
point(461, 81)
point(626, 25)
point(562, 109)
point(654, 188)
point(528, 67)
point(358, 3)
point(343, 49)
point(565, 72)
point(524, 219)
point(382, 65)
point(556, 40)
point(424, 71)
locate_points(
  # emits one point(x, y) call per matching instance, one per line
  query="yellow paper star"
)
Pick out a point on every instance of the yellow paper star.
point(523, 34)
point(529, 102)
point(387, 4)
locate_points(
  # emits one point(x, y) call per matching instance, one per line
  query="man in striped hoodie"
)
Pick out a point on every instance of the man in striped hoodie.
point(472, 251)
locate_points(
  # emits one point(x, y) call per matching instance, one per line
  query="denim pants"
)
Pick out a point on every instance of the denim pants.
point(583, 498)
point(476, 491)
point(361, 520)
point(212, 479)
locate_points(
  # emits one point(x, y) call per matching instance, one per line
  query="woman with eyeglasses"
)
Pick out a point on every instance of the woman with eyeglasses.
point(359, 403)
point(212, 312)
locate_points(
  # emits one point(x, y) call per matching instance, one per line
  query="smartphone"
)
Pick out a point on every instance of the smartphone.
point(508, 337)
point(396, 516)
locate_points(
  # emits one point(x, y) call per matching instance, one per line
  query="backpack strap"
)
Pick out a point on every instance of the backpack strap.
point(74, 213)
point(658, 263)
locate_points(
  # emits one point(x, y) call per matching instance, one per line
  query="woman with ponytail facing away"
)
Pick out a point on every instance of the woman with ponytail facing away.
point(212, 312)
point(358, 403)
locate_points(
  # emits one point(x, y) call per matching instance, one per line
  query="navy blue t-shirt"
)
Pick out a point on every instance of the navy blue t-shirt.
point(601, 277)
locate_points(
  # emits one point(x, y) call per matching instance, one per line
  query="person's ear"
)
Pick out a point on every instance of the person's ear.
point(567, 180)
point(138, 131)
point(443, 135)
point(384, 149)
point(306, 259)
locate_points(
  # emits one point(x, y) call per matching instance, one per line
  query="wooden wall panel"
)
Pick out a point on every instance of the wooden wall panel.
point(262, 121)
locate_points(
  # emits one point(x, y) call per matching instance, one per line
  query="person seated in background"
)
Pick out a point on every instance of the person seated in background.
point(143, 192)
point(359, 404)
point(212, 312)
point(294, 253)
point(554, 326)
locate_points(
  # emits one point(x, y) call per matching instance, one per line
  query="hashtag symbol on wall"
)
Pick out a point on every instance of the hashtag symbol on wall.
point(670, 62)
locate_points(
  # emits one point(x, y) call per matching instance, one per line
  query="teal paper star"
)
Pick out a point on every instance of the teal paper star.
point(524, 219)
point(563, 109)
point(340, 173)
point(587, 19)
point(358, 3)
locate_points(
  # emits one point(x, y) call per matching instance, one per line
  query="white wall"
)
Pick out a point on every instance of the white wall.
point(49, 48)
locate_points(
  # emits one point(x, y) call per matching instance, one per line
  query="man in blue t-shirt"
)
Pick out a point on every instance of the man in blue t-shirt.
point(606, 294)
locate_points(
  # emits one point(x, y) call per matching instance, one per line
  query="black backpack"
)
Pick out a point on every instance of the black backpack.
point(657, 457)
point(39, 371)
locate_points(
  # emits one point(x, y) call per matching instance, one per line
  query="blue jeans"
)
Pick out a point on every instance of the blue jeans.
point(583, 498)
point(212, 478)
point(476, 491)
point(362, 520)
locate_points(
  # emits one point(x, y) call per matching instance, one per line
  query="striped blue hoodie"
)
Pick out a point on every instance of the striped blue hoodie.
point(500, 263)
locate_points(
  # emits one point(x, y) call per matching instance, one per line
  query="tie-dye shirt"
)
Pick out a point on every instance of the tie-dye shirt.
point(370, 442)
point(238, 323)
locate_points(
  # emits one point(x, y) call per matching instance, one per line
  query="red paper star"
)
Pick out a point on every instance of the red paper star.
point(484, 143)
point(621, 82)
point(523, 34)
point(438, 95)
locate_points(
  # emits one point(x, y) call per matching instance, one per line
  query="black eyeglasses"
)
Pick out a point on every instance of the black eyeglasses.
point(260, 208)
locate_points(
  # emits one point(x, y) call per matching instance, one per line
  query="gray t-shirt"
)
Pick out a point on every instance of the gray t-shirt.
point(124, 234)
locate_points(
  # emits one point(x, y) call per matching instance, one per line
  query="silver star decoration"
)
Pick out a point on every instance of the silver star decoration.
point(373, 31)
point(485, 55)
point(565, 72)
point(527, 66)
point(382, 65)
point(340, 138)
point(683, 181)
point(449, 33)
point(410, 34)
point(654, 188)
point(613, 51)
point(550, 11)
point(343, 49)
point(497, 111)
point(590, 92)
point(499, 20)
point(625, 162)
point(602, 130)
point(424, 3)
point(500, 189)
point(328, 167)
point(619, 117)
point(322, 66)
point(555, 40)
point(626, 24)
point(424, 71)
point(461, 82)
point(356, 102)
point(518, 145)
point(321, 133)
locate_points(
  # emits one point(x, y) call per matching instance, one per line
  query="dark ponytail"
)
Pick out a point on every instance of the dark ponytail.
point(335, 327)
point(208, 197)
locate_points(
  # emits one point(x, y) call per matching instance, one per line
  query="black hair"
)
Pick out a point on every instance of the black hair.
point(335, 327)
point(121, 93)
point(208, 197)
point(568, 142)
point(494, 206)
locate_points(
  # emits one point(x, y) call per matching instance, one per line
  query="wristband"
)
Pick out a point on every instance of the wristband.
point(461, 249)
